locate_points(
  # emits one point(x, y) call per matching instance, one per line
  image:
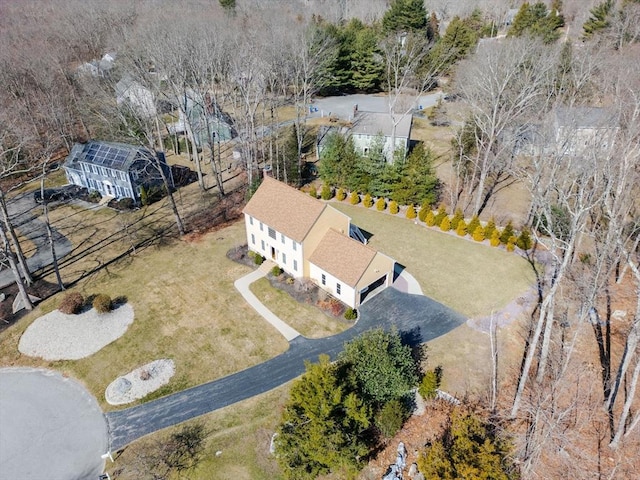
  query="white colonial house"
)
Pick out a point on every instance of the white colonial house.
point(310, 239)
point(369, 126)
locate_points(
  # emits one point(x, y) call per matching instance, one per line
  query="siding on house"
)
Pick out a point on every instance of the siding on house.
point(368, 126)
point(316, 240)
point(115, 169)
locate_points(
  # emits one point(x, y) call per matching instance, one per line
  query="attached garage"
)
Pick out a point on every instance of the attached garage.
point(373, 288)
point(349, 270)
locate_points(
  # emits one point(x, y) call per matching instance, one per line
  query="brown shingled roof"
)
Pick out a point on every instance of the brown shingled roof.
point(343, 257)
point(284, 208)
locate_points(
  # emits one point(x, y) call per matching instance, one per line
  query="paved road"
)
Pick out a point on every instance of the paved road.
point(23, 211)
point(342, 106)
point(51, 427)
point(417, 318)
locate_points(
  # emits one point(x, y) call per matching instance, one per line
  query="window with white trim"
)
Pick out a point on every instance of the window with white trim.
point(323, 279)
point(338, 288)
point(272, 233)
point(250, 220)
point(262, 244)
point(284, 258)
point(295, 265)
point(253, 239)
point(295, 245)
point(282, 237)
point(260, 226)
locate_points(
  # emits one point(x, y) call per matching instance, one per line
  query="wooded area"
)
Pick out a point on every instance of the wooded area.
point(530, 85)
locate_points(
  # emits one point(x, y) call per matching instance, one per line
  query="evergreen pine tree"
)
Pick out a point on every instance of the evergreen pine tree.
point(507, 233)
point(473, 224)
point(524, 240)
point(445, 225)
point(393, 207)
point(411, 212)
point(341, 194)
point(457, 216)
point(478, 234)
point(511, 243)
point(326, 192)
point(424, 210)
point(367, 201)
point(430, 219)
point(489, 228)
point(599, 19)
point(405, 15)
point(354, 199)
point(461, 229)
point(381, 204)
point(313, 192)
point(495, 238)
point(442, 213)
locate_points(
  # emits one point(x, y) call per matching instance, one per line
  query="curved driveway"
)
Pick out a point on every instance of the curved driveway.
point(417, 318)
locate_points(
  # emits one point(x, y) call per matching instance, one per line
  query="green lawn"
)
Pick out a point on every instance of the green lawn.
point(473, 279)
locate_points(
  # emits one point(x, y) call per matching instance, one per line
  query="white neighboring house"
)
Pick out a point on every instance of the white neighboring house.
point(367, 126)
point(308, 238)
point(140, 97)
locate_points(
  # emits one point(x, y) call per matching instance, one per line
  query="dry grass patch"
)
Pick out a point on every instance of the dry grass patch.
point(241, 432)
point(306, 319)
point(186, 308)
point(438, 139)
point(471, 278)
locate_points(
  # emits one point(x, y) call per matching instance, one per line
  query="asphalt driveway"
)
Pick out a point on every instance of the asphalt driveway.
point(417, 318)
point(22, 210)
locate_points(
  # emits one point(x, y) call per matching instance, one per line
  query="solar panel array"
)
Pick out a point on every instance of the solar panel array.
point(107, 155)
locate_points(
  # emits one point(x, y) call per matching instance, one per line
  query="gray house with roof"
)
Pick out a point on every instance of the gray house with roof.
point(580, 128)
point(114, 169)
point(369, 127)
point(371, 130)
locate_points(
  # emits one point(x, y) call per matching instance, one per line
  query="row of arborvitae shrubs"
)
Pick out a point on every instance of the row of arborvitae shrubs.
point(506, 236)
point(73, 303)
point(479, 232)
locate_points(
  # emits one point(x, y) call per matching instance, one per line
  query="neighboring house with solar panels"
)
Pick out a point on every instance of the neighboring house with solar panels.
point(310, 239)
point(115, 170)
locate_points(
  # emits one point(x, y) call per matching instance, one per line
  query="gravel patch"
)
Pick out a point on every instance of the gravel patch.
point(140, 382)
point(58, 336)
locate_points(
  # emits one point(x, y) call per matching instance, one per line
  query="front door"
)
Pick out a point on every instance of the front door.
point(273, 253)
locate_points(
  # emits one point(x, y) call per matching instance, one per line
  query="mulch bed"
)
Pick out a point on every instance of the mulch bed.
point(302, 291)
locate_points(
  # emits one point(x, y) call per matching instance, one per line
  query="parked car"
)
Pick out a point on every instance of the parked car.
point(59, 194)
